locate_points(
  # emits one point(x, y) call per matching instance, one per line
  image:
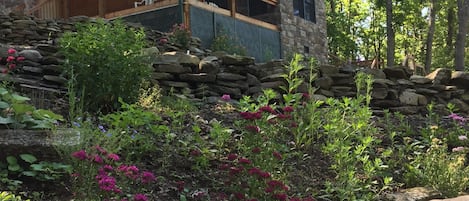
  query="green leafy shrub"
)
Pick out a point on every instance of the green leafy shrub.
point(17, 113)
point(446, 172)
point(224, 42)
point(105, 61)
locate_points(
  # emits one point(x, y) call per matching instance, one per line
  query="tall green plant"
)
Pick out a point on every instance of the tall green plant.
point(105, 62)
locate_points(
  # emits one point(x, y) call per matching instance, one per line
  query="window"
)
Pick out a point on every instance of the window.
point(305, 9)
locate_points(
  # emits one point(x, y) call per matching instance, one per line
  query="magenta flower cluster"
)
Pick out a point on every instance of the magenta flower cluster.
point(273, 117)
point(244, 175)
point(108, 172)
point(12, 60)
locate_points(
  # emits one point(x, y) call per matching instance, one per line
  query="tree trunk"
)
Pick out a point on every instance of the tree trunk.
point(449, 37)
point(463, 23)
point(390, 34)
point(431, 32)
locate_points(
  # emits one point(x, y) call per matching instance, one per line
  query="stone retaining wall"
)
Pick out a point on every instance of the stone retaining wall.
point(201, 73)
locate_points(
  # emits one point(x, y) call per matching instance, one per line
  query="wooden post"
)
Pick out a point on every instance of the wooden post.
point(101, 8)
point(233, 8)
point(187, 15)
point(65, 10)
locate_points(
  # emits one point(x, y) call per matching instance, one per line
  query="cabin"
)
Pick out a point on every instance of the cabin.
point(268, 29)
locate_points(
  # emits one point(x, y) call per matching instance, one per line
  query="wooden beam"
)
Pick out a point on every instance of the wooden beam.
point(141, 9)
point(271, 2)
point(101, 8)
point(233, 8)
point(187, 15)
point(65, 9)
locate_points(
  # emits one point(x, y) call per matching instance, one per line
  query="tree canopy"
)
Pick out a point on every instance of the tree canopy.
point(433, 32)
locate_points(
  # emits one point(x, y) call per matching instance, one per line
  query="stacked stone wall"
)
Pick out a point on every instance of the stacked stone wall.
point(204, 75)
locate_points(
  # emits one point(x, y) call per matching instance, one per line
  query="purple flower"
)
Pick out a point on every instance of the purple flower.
point(456, 117)
point(140, 197)
point(226, 97)
point(107, 183)
point(147, 177)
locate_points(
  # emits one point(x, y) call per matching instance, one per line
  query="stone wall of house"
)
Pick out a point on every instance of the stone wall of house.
point(204, 75)
point(297, 34)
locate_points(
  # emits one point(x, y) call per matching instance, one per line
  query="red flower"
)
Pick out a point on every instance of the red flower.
point(180, 185)
point(232, 157)
point(239, 196)
point(253, 128)
point(281, 196)
point(244, 161)
point(256, 150)
point(147, 177)
point(267, 108)
point(224, 166)
point(277, 155)
point(97, 159)
point(12, 66)
point(293, 124)
point(288, 109)
point(284, 116)
point(196, 153)
point(19, 58)
point(254, 170)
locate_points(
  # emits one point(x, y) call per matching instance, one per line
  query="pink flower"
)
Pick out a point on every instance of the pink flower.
point(100, 149)
point(10, 58)
point(11, 51)
point(12, 66)
point(163, 40)
point(147, 177)
point(226, 97)
point(80, 154)
point(140, 197)
point(458, 149)
point(4, 71)
point(20, 58)
point(113, 157)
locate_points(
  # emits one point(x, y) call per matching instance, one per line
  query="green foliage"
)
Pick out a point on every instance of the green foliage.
point(18, 114)
point(6, 196)
point(29, 166)
point(180, 35)
point(225, 42)
point(104, 62)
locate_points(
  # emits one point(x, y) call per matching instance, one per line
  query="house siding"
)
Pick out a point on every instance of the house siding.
point(296, 32)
